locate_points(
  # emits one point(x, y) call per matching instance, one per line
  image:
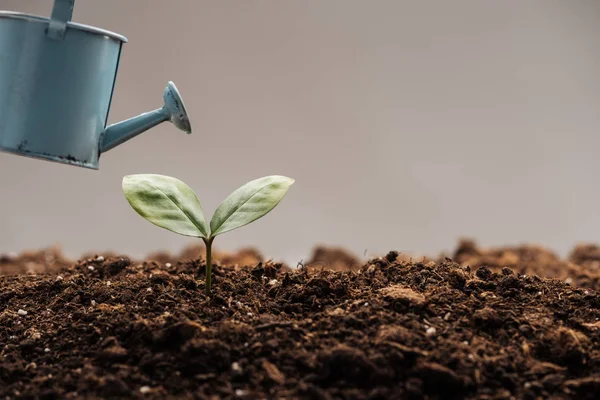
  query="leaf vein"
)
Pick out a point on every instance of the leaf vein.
point(177, 205)
point(241, 205)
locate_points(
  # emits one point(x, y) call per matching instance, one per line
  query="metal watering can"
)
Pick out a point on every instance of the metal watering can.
point(56, 84)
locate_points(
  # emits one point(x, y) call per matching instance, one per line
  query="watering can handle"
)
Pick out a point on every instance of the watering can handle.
point(61, 14)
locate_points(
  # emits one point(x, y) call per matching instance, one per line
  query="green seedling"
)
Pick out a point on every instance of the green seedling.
point(171, 204)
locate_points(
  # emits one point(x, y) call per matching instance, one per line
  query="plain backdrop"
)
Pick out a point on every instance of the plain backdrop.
point(406, 124)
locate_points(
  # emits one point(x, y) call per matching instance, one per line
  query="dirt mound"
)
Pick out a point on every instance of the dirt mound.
point(50, 260)
point(333, 258)
point(245, 256)
point(113, 328)
point(581, 268)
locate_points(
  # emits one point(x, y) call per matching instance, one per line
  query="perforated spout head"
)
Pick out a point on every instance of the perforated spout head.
point(176, 109)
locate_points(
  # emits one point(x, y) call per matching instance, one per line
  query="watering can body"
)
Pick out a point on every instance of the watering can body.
point(56, 84)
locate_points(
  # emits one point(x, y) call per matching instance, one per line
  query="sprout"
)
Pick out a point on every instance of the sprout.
point(171, 204)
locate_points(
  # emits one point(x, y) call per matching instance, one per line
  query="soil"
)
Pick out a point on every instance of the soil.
point(581, 268)
point(505, 323)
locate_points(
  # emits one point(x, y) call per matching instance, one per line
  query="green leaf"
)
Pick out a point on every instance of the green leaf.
point(249, 203)
point(166, 202)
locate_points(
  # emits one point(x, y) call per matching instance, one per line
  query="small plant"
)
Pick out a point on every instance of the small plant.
point(171, 204)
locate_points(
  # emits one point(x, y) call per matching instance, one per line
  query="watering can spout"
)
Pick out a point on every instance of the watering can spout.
point(173, 110)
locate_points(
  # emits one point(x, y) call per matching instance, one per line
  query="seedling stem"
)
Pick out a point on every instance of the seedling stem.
point(208, 244)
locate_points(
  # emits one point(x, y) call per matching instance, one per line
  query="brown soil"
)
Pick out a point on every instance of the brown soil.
point(581, 268)
point(109, 327)
point(335, 259)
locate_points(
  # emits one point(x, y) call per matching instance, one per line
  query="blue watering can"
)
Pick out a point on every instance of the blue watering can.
point(56, 84)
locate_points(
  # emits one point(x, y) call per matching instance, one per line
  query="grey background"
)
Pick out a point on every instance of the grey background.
point(407, 124)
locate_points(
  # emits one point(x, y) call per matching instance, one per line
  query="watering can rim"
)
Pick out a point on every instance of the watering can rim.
point(74, 25)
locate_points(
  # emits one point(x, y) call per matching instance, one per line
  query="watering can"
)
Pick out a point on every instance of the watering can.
point(56, 84)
